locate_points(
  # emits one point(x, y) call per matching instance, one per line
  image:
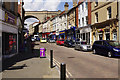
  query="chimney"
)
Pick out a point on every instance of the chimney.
point(66, 6)
point(59, 11)
point(75, 3)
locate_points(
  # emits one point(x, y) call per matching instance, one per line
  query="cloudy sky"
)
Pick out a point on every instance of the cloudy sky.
point(39, 5)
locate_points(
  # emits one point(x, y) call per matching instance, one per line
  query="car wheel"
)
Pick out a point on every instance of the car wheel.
point(94, 51)
point(110, 55)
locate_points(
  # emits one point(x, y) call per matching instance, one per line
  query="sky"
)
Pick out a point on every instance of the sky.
point(40, 5)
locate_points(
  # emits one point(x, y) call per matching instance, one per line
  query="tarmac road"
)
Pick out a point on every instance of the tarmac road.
point(83, 64)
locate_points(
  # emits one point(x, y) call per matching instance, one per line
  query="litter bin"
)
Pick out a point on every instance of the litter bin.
point(42, 52)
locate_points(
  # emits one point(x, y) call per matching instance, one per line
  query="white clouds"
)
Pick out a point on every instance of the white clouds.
point(36, 5)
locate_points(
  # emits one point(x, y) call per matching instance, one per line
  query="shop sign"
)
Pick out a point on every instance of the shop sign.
point(62, 32)
point(10, 18)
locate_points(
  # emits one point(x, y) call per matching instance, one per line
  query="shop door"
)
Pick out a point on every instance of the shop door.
point(107, 36)
point(100, 36)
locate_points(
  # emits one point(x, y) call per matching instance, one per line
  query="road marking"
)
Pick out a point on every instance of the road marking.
point(68, 74)
point(58, 64)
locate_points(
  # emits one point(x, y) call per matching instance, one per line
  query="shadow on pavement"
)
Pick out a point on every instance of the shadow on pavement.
point(19, 57)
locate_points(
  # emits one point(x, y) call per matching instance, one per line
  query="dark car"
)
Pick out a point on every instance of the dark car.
point(69, 43)
point(106, 47)
point(51, 40)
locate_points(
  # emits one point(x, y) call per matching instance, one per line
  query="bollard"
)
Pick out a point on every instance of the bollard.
point(51, 58)
point(63, 71)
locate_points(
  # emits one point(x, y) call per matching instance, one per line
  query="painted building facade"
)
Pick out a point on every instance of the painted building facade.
point(9, 30)
point(84, 30)
point(104, 20)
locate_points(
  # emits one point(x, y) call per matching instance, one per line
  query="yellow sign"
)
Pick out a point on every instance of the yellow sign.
point(62, 32)
point(6, 17)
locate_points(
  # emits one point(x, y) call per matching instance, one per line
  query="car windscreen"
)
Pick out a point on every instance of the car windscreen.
point(83, 43)
point(61, 40)
point(43, 39)
point(114, 43)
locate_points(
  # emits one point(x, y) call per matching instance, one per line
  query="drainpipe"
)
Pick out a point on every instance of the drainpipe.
point(119, 19)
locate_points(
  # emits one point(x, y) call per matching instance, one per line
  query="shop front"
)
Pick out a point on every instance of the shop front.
point(70, 33)
point(105, 31)
point(52, 35)
point(84, 34)
point(45, 35)
point(9, 44)
point(62, 34)
point(9, 35)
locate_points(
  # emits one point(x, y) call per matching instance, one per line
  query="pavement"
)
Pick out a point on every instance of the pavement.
point(29, 65)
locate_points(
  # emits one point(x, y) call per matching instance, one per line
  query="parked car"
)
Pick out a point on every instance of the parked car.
point(32, 39)
point(106, 47)
point(60, 42)
point(82, 45)
point(43, 40)
point(51, 41)
point(69, 43)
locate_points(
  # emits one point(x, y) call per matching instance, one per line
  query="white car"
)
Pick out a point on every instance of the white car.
point(43, 40)
point(82, 45)
point(32, 39)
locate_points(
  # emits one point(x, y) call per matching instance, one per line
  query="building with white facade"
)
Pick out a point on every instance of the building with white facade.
point(84, 30)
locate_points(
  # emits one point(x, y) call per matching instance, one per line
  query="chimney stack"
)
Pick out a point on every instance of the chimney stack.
point(66, 6)
point(75, 3)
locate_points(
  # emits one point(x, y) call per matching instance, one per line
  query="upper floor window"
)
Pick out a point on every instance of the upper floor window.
point(96, 3)
point(86, 5)
point(79, 21)
point(83, 21)
point(12, 6)
point(96, 17)
point(108, 12)
point(87, 20)
point(82, 7)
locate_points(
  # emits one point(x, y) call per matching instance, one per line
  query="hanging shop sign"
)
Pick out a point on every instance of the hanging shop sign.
point(9, 18)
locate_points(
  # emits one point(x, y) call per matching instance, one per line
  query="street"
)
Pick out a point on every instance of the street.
point(83, 64)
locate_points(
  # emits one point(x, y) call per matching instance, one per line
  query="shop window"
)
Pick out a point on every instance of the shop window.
point(9, 42)
point(115, 36)
point(83, 36)
point(108, 36)
point(100, 36)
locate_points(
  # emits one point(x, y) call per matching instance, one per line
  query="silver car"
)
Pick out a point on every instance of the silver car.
point(82, 45)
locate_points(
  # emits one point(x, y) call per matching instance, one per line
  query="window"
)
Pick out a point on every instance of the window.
point(87, 20)
point(108, 12)
point(65, 24)
point(83, 21)
point(86, 5)
point(82, 7)
point(79, 21)
point(96, 17)
point(12, 6)
point(96, 3)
